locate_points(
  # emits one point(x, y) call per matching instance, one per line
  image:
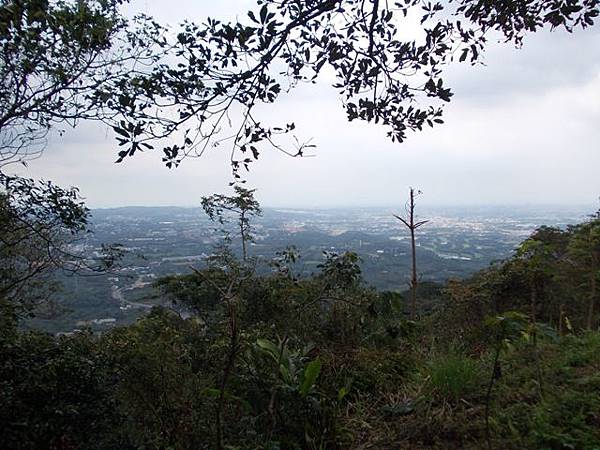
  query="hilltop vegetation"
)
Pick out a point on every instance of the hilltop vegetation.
point(506, 359)
point(268, 360)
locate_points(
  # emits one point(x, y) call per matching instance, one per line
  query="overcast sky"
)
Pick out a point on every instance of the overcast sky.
point(524, 128)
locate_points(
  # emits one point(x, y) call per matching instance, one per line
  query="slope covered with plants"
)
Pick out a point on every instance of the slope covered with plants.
point(506, 359)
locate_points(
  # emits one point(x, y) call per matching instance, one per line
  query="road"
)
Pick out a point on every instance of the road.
point(118, 295)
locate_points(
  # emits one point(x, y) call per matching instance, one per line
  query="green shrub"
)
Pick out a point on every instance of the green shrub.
point(453, 376)
point(367, 370)
point(568, 421)
point(55, 393)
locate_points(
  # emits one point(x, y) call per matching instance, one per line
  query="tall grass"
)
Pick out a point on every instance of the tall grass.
point(453, 376)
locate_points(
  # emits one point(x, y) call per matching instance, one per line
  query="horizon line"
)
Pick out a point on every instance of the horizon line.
point(341, 206)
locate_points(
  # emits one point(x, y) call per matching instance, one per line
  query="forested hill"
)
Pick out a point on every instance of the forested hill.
point(505, 359)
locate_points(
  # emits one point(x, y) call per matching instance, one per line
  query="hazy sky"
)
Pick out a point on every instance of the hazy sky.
point(524, 128)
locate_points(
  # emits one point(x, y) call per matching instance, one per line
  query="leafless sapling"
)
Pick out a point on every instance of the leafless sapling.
point(410, 223)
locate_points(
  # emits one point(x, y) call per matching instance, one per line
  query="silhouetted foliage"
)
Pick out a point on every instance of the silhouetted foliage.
point(275, 361)
point(206, 84)
point(40, 227)
point(58, 57)
point(64, 62)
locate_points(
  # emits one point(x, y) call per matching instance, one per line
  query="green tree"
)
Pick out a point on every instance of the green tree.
point(161, 369)
point(242, 204)
point(56, 393)
point(57, 59)
point(40, 227)
point(584, 251)
point(539, 258)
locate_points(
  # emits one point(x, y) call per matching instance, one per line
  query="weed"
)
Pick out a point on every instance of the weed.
point(453, 376)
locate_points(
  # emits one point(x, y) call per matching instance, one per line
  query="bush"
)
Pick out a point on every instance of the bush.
point(453, 376)
point(55, 393)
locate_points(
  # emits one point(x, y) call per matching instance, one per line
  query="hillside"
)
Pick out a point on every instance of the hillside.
point(505, 359)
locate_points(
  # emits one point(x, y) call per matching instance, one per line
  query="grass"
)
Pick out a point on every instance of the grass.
point(442, 406)
point(453, 376)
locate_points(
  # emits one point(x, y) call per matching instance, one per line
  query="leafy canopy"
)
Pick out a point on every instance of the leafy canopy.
point(57, 57)
point(218, 73)
point(201, 86)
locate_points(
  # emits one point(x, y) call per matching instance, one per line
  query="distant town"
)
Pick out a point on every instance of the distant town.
point(160, 241)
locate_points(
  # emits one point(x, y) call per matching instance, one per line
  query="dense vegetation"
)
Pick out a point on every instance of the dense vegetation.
point(506, 359)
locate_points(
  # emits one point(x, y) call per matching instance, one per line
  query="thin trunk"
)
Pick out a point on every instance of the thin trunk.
point(409, 223)
point(532, 304)
point(534, 340)
point(271, 409)
point(243, 235)
point(413, 282)
point(488, 395)
point(227, 370)
point(561, 318)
